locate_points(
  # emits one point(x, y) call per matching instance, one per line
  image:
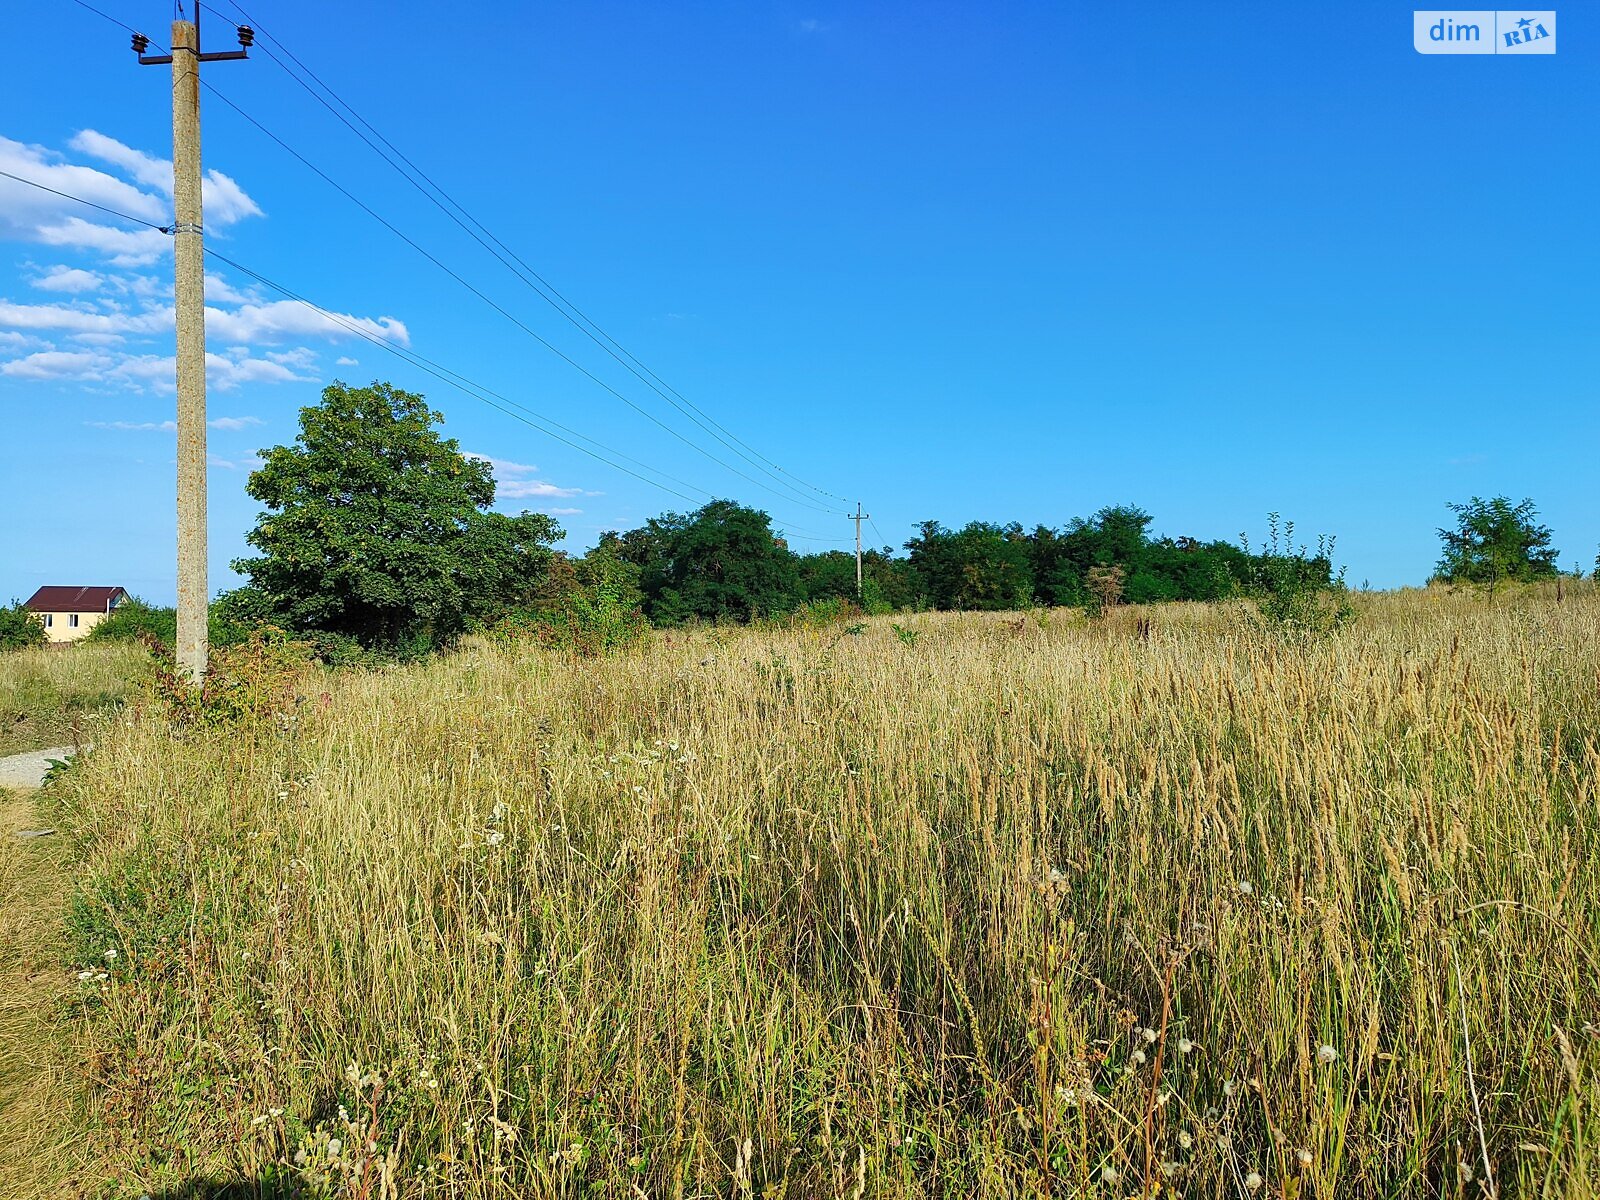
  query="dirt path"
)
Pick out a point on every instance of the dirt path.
point(27, 771)
point(37, 1152)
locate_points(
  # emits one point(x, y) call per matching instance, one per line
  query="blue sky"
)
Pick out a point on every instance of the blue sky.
point(983, 260)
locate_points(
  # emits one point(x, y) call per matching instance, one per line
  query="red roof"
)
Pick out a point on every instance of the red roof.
point(75, 599)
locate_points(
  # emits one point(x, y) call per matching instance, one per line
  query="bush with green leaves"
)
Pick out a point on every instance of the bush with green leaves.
point(20, 627)
point(1294, 594)
point(1495, 542)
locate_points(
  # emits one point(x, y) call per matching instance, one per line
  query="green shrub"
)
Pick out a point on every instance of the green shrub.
point(20, 627)
point(136, 620)
point(1294, 594)
point(258, 678)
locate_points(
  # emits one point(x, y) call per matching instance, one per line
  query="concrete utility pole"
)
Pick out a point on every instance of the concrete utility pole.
point(189, 258)
point(858, 518)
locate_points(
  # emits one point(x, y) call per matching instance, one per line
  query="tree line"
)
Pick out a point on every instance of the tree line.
point(378, 535)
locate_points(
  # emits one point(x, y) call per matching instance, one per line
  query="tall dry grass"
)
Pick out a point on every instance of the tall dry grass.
point(1029, 906)
point(50, 696)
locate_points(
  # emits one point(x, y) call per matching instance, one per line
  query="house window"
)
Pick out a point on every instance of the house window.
point(72, 621)
point(49, 620)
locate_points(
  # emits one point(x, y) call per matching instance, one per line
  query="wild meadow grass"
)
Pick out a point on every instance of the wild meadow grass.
point(1018, 905)
point(48, 696)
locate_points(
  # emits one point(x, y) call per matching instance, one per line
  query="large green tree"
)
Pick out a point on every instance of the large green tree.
point(722, 561)
point(980, 566)
point(1494, 541)
point(378, 529)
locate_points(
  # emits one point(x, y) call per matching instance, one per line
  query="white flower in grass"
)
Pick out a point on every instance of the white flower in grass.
point(1246, 888)
point(1185, 1046)
point(1229, 1088)
point(334, 1147)
point(110, 955)
point(1138, 1057)
point(1327, 1054)
point(1109, 1174)
point(1185, 1140)
point(1253, 1181)
point(1303, 1157)
point(1149, 1035)
point(494, 837)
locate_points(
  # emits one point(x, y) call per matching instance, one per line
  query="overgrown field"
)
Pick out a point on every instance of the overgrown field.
point(987, 906)
point(49, 697)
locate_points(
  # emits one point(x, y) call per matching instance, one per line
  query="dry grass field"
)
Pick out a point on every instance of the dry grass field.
point(1003, 905)
point(48, 697)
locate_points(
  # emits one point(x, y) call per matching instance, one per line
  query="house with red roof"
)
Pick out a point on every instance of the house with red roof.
point(69, 613)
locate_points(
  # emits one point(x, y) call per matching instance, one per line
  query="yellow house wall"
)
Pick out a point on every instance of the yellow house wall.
point(60, 627)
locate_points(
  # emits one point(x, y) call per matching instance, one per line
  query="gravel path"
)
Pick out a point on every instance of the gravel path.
point(27, 770)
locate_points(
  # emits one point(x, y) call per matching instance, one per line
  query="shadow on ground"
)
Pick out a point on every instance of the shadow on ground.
point(211, 1189)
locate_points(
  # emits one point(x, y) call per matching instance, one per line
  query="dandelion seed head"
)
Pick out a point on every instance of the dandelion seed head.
point(1253, 1181)
point(1327, 1054)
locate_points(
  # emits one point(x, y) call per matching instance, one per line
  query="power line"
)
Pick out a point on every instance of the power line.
point(884, 541)
point(547, 291)
point(99, 13)
point(34, 183)
point(445, 374)
point(481, 295)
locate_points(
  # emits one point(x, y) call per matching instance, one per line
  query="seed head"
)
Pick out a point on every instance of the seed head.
point(1253, 1181)
point(1327, 1054)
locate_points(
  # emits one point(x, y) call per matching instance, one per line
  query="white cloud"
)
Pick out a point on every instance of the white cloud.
point(523, 489)
point(344, 360)
point(135, 426)
point(248, 463)
point(172, 426)
point(103, 316)
point(562, 512)
point(122, 247)
point(502, 466)
point(79, 320)
point(512, 482)
point(223, 202)
point(58, 364)
point(218, 288)
point(278, 319)
point(70, 279)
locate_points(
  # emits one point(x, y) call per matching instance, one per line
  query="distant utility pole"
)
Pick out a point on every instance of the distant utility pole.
point(858, 518)
point(189, 256)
